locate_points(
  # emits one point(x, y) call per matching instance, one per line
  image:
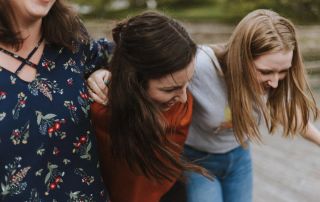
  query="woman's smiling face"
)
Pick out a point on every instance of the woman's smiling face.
point(272, 68)
point(172, 88)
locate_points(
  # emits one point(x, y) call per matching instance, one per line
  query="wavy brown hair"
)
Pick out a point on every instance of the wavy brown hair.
point(262, 32)
point(148, 46)
point(61, 26)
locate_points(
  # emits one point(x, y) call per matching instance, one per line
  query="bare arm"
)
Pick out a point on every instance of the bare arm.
point(312, 134)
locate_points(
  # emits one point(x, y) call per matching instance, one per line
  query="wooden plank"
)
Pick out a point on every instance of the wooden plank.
point(286, 170)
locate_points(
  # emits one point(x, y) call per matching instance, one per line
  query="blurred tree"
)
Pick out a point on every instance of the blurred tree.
point(100, 4)
point(98, 7)
point(184, 3)
point(308, 9)
point(95, 3)
point(137, 3)
point(297, 9)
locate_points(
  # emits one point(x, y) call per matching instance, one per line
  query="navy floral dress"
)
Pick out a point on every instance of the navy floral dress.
point(47, 148)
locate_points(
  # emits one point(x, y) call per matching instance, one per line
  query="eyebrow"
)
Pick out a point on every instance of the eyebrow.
point(177, 86)
point(271, 69)
point(170, 87)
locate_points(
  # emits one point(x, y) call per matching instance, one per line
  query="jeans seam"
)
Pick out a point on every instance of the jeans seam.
point(230, 165)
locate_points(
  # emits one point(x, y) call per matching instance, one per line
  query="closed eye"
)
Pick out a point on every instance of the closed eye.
point(284, 71)
point(169, 90)
point(265, 72)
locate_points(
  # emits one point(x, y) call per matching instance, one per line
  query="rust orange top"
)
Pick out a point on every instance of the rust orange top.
point(124, 185)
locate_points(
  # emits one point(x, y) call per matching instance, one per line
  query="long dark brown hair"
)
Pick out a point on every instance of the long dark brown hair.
point(61, 26)
point(148, 46)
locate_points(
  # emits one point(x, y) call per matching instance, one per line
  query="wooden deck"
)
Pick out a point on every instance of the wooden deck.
point(286, 170)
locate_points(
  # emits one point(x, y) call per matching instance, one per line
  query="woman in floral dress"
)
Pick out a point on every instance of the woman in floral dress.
point(47, 149)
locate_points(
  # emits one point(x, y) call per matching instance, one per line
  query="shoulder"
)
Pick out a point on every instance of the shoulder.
point(101, 44)
point(204, 50)
point(204, 57)
point(218, 49)
point(207, 61)
point(99, 114)
point(100, 121)
point(98, 110)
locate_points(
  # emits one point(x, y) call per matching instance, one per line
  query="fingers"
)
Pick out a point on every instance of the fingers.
point(106, 89)
point(106, 82)
point(97, 98)
point(103, 82)
point(107, 78)
point(98, 85)
point(97, 88)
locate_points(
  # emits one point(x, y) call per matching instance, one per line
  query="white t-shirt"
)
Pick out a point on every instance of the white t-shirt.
point(211, 127)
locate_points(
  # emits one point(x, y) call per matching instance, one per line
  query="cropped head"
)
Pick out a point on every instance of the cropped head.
point(263, 57)
point(152, 64)
point(60, 25)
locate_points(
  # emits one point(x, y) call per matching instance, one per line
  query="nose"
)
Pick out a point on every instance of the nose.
point(182, 96)
point(273, 81)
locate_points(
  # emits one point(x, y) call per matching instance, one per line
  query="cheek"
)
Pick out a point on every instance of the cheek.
point(262, 78)
point(53, 2)
point(282, 76)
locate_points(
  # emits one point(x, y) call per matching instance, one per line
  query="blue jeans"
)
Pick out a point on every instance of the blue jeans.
point(233, 176)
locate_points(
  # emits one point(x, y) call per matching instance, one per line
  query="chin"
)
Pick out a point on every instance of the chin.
point(266, 92)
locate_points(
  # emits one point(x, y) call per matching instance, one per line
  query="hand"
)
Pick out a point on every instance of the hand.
point(98, 85)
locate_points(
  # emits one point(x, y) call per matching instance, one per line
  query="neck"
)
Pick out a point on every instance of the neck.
point(31, 32)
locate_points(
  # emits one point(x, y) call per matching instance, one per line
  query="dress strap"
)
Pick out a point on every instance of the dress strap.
point(23, 61)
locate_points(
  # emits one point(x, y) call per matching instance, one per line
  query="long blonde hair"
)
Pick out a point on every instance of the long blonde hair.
point(262, 32)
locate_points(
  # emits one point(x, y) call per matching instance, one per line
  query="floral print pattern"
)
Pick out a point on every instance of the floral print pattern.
point(47, 88)
point(14, 182)
point(47, 146)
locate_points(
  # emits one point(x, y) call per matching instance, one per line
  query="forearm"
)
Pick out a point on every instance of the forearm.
point(312, 134)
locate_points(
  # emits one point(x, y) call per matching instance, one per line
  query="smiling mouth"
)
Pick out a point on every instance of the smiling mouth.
point(265, 88)
point(168, 105)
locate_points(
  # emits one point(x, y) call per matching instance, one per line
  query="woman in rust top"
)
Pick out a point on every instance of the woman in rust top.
point(143, 128)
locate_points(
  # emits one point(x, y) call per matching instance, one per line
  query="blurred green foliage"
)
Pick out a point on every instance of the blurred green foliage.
point(299, 10)
point(184, 3)
point(303, 11)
